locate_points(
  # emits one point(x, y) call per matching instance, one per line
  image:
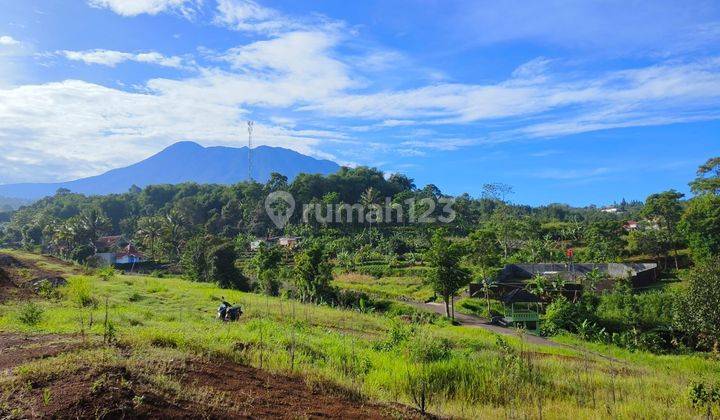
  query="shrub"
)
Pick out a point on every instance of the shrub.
point(79, 291)
point(222, 269)
point(426, 348)
point(30, 314)
point(558, 316)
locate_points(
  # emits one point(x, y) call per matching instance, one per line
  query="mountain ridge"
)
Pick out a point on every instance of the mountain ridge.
point(184, 161)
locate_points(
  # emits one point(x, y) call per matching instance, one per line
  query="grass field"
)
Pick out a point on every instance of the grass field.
point(408, 287)
point(464, 372)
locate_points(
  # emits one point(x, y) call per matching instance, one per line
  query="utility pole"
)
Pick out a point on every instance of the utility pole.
point(250, 125)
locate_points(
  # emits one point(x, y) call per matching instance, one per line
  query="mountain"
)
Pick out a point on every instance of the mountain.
point(9, 203)
point(185, 162)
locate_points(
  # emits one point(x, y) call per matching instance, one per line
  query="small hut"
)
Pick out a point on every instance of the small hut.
point(521, 309)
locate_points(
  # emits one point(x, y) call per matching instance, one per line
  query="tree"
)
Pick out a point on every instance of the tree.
point(604, 242)
point(701, 225)
point(649, 241)
point(313, 273)
point(485, 252)
point(665, 209)
point(222, 269)
point(369, 199)
point(705, 184)
point(194, 259)
point(149, 232)
point(510, 231)
point(276, 182)
point(447, 277)
point(266, 263)
point(94, 223)
point(699, 311)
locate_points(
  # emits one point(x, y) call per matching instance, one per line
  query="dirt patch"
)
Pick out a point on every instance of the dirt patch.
point(9, 290)
point(18, 349)
point(205, 389)
point(9, 261)
point(18, 278)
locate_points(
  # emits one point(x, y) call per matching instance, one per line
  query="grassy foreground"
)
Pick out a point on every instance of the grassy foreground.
point(463, 372)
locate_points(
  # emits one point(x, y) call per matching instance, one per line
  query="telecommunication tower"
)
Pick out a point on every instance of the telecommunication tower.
point(250, 125)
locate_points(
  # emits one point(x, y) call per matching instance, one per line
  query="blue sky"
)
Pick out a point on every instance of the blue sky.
point(567, 101)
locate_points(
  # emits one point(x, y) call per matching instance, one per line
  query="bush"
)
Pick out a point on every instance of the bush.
point(558, 317)
point(79, 291)
point(222, 269)
point(30, 314)
point(426, 349)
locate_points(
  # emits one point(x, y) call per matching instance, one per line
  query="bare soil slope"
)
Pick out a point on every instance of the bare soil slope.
point(228, 390)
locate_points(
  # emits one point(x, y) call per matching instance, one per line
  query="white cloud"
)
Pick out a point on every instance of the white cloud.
point(112, 58)
point(7, 40)
point(150, 7)
point(83, 128)
point(572, 173)
point(247, 15)
point(547, 103)
point(303, 72)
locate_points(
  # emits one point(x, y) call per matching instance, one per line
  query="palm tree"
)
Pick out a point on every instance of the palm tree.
point(369, 199)
point(173, 228)
point(94, 223)
point(149, 231)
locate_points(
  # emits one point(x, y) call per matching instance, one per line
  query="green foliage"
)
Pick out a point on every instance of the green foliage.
point(194, 259)
point(30, 314)
point(699, 310)
point(222, 269)
point(704, 396)
point(313, 273)
point(266, 263)
point(424, 348)
point(603, 241)
point(79, 291)
point(105, 273)
point(447, 276)
point(705, 184)
point(701, 226)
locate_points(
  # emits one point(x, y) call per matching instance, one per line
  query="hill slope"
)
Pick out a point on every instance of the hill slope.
point(185, 162)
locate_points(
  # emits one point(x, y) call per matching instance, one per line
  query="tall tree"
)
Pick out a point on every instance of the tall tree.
point(222, 269)
point(149, 232)
point(701, 225)
point(267, 263)
point(447, 277)
point(708, 178)
point(665, 209)
point(313, 273)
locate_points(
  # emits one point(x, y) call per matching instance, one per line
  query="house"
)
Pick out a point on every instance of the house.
point(630, 225)
point(254, 245)
point(515, 276)
point(117, 250)
point(283, 241)
point(288, 241)
point(640, 274)
point(129, 255)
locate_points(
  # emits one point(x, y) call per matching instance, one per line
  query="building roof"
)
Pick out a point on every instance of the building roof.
point(107, 241)
point(520, 296)
point(129, 250)
point(517, 273)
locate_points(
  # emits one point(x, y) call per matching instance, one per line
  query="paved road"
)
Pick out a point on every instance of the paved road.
point(477, 322)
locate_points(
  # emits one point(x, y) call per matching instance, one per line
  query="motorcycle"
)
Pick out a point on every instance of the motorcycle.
point(227, 312)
